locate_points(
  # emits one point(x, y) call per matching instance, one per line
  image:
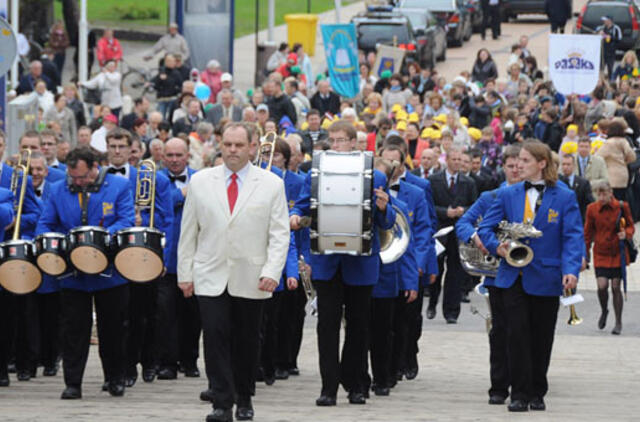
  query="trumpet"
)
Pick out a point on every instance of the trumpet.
point(574, 319)
point(307, 285)
point(20, 169)
point(146, 188)
point(267, 146)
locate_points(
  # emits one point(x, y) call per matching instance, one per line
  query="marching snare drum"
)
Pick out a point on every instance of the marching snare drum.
point(51, 253)
point(18, 271)
point(341, 208)
point(139, 253)
point(89, 249)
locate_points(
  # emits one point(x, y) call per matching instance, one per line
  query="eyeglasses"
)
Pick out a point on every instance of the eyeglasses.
point(338, 140)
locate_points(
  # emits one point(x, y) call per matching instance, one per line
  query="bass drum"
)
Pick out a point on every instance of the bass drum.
point(89, 249)
point(139, 256)
point(51, 253)
point(18, 272)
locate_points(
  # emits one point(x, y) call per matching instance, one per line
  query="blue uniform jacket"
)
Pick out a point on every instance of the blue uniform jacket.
point(49, 284)
point(31, 208)
point(355, 270)
point(111, 207)
point(60, 166)
point(291, 265)
point(293, 185)
point(163, 213)
point(418, 217)
point(560, 249)
point(6, 211)
point(177, 201)
point(425, 185)
point(401, 274)
point(55, 175)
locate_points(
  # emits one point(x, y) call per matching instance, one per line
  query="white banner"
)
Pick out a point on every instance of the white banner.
point(574, 62)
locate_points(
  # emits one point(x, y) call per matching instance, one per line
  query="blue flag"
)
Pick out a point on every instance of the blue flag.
point(341, 49)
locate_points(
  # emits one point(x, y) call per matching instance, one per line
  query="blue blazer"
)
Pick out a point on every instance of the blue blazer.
point(177, 203)
point(355, 270)
point(293, 185)
point(60, 166)
point(421, 228)
point(49, 284)
point(163, 213)
point(6, 210)
point(111, 207)
point(291, 265)
point(55, 175)
point(30, 210)
point(560, 249)
point(401, 274)
point(425, 185)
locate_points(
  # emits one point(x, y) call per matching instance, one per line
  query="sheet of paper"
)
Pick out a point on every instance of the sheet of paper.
point(443, 231)
point(571, 300)
point(439, 247)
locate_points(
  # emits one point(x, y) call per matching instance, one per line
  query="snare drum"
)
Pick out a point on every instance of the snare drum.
point(89, 249)
point(341, 208)
point(18, 271)
point(139, 253)
point(51, 253)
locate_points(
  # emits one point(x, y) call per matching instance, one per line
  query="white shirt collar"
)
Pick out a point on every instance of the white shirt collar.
point(184, 173)
point(242, 173)
point(55, 162)
point(403, 175)
point(449, 175)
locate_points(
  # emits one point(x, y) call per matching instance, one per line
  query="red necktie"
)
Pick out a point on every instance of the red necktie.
point(232, 192)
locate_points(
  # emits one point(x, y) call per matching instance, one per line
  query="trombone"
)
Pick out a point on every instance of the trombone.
point(21, 165)
point(267, 146)
point(146, 188)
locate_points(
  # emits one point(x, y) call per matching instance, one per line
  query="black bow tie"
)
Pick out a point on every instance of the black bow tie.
point(395, 187)
point(528, 185)
point(38, 193)
point(121, 170)
point(182, 178)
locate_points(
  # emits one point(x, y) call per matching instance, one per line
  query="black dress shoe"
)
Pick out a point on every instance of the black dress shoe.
point(148, 374)
point(465, 298)
point(602, 322)
point(260, 374)
point(116, 389)
point(281, 374)
point(130, 381)
point(399, 374)
point(4, 380)
point(192, 372)
point(326, 400)
point(269, 379)
point(24, 375)
point(411, 373)
point(206, 395)
point(244, 413)
point(71, 393)
point(294, 371)
point(167, 374)
point(220, 415)
point(617, 330)
point(357, 398)
point(518, 406)
point(11, 367)
point(537, 404)
point(452, 320)
point(496, 399)
point(105, 386)
point(431, 313)
point(381, 391)
point(50, 371)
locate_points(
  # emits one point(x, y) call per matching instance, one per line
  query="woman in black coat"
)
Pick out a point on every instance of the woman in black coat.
point(484, 67)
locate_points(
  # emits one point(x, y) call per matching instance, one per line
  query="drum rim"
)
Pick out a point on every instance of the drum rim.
point(88, 228)
point(50, 235)
point(138, 230)
point(16, 242)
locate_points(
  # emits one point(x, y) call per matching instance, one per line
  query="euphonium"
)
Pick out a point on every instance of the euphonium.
point(267, 146)
point(394, 242)
point(481, 290)
point(146, 188)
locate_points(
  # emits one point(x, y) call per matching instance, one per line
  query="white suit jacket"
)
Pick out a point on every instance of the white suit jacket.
point(219, 250)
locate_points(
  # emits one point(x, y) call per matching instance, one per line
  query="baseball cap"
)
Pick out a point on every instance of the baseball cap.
point(111, 118)
point(262, 107)
point(226, 77)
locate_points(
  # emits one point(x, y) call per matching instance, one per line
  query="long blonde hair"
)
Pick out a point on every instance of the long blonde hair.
point(632, 54)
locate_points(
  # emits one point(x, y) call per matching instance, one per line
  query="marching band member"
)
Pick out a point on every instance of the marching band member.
point(109, 204)
point(140, 344)
point(33, 141)
point(178, 316)
point(232, 249)
point(396, 277)
point(6, 217)
point(344, 280)
point(49, 147)
point(404, 361)
point(466, 232)
point(529, 295)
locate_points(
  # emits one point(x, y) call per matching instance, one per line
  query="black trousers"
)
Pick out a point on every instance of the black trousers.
point(413, 315)
point(609, 62)
point(269, 345)
point(557, 27)
point(491, 18)
point(27, 332)
point(291, 324)
point(49, 327)
point(5, 301)
point(231, 331)
point(111, 306)
point(381, 326)
point(453, 279)
point(498, 356)
point(140, 342)
point(333, 295)
point(531, 322)
point(178, 325)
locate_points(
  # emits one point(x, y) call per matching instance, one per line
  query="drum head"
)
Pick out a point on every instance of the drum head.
point(139, 264)
point(51, 263)
point(19, 276)
point(89, 260)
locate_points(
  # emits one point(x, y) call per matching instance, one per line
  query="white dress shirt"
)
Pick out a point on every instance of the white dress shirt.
point(179, 183)
point(533, 195)
point(242, 175)
point(127, 171)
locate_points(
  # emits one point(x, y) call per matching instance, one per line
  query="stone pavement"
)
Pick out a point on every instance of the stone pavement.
point(593, 376)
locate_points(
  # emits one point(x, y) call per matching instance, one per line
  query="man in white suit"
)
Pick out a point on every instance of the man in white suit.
point(232, 250)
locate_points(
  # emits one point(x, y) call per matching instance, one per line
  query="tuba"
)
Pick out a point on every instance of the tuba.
point(519, 255)
point(395, 241)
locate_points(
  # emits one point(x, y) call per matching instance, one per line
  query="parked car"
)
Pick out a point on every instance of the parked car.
point(429, 31)
point(513, 8)
point(453, 13)
point(381, 25)
point(625, 14)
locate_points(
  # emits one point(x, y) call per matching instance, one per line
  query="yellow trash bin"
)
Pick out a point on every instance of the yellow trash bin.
point(302, 28)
